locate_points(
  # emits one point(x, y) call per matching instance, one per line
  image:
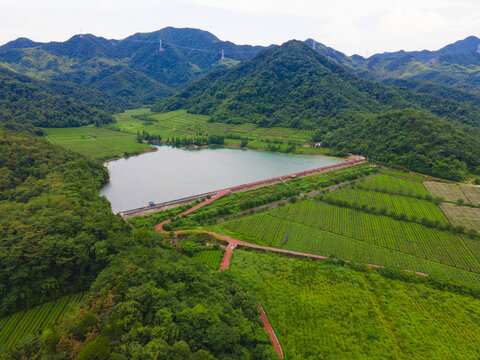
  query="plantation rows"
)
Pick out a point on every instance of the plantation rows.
point(411, 238)
point(213, 258)
point(462, 215)
point(269, 230)
point(331, 312)
point(413, 208)
point(20, 324)
point(391, 184)
point(472, 193)
point(449, 192)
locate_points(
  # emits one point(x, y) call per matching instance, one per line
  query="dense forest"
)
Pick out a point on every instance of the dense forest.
point(410, 139)
point(153, 303)
point(56, 231)
point(148, 301)
point(25, 101)
point(293, 86)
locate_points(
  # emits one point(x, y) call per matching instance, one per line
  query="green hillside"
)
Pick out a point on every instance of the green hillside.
point(293, 86)
point(26, 101)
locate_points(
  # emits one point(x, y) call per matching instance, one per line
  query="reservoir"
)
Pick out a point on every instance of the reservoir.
point(176, 172)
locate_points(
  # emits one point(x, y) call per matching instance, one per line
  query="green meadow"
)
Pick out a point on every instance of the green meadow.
point(95, 142)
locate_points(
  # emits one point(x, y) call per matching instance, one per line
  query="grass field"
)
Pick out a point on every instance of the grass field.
point(462, 215)
point(18, 325)
point(213, 258)
point(320, 228)
point(179, 123)
point(322, 311)
point(98, 143)
point(449, 192)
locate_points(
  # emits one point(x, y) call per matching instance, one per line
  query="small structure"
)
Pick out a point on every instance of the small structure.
point(317, 144)
point(151, 203)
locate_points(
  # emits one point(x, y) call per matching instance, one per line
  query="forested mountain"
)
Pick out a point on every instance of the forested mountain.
point(26, 101)
point(134, 69)
point(294, 86)
point(456, 65)
point(56, 231)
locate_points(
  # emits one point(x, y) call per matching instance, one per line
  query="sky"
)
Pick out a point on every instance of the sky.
point(361, 27)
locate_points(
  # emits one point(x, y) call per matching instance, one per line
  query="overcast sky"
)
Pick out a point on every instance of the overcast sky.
point(364, 27)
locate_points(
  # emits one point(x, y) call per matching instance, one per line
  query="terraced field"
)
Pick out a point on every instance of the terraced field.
point(320, 311)
point(18, 325)
point(394, 185)
point(179, 123)
point(412, 208)
point(316, 227)
point(462, 215)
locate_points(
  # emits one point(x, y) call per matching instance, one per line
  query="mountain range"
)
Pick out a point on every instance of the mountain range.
point(117, 67)
point(428, 101)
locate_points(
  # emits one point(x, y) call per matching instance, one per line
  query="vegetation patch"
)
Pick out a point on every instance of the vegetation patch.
point(29, 322)
point(322, 310)
point(95, 142)
point(448, 192)
point(464, 216)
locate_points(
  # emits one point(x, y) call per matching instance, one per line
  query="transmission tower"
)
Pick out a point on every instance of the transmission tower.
point(313, 46)
point(223, 55)
point(160, 47)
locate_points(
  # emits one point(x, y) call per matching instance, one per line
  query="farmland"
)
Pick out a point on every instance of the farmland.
point(98, 143)
point(327, 311)
point(317, 227)
point(182, 124)
point(472, 193)
point(242, 202)
point(411, 208)
point(462, 215)
point(20, 324)
point(213, 258)
point(448, 192)
point(393, 185)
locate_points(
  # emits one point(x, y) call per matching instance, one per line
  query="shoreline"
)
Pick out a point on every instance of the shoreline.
point(228, 146)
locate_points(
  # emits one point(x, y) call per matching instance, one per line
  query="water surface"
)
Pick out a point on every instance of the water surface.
point(175, 172)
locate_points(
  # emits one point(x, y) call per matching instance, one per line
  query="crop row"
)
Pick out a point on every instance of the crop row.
point(323, 229)
point(20, 324)
point(213, 258)
point(413, 208)
point(309, 240)
point(391, 184)
point(336, 313)
point(411, 238)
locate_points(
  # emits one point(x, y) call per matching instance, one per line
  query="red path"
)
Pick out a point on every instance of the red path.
point(268, 328)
